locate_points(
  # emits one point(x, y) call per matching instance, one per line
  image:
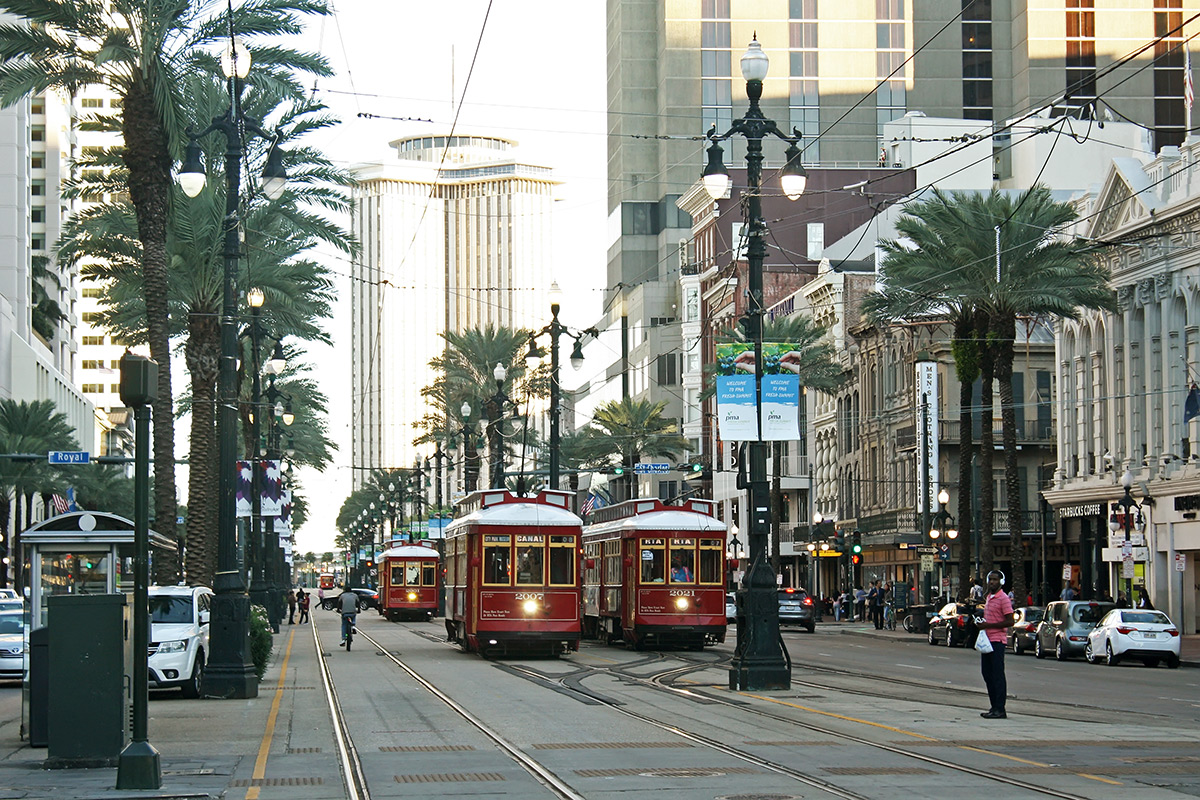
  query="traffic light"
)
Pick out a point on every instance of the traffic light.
point(856, 547)
point(855, 559)
point(839, 540)
point(696, 468)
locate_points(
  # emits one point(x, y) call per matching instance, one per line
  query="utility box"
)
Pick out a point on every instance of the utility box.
point(91, 674)
point(37, 687)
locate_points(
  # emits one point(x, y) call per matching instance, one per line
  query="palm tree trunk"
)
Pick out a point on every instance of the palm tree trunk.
point(987, 500)
point(15, 551)
point(470, 464)
point(777, 501)
point(1012, 483)
point(202, 354)
point(495, 443)
point(966, 367)
point(148, 159)
point(11, 548)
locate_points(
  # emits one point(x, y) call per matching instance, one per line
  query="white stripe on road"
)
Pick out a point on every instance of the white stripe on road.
point(909, 666)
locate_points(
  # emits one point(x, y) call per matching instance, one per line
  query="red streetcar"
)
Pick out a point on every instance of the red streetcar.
point(512, 578)
point(655, 574)
point(409, 582)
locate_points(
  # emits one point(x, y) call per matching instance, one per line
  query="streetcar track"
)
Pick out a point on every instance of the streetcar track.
point(353, 777)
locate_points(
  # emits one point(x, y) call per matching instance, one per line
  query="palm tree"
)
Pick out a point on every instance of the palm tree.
point(143, 50)
point(623, 432)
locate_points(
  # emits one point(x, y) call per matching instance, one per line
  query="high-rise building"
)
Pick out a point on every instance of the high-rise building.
point(456, 234)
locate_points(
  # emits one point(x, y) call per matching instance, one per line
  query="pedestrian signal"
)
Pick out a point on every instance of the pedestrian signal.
point(856, 559)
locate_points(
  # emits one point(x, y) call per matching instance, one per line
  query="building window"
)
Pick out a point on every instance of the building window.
point(716, 87)
point(116, 102)
point(37, 107)
point(668, 369)
point(804, 98)
point(92, 291)
point(93, 388)
point(1168, 73)
point(978, 100)
point(115, 388)
point(37, 188)
point(37, 242)
point(91, 364)
point(38, 133)
point(37, 162)
point(92, 102)
point(891, 100)
point(37, 214)
point(667, 490)
point(90, 317)
point(93, 340)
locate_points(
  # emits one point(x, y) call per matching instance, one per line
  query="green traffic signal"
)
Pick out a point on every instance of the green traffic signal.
point(856, 548)
point(697, 467)
point(618, 470)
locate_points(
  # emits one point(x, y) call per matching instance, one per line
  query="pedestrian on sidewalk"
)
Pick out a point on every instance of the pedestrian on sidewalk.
point(291, 600)
point(1144, 600)
point(860, 603)
point(997, 619)
point(302, 600)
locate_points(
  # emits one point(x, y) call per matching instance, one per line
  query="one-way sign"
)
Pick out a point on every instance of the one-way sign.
point(68, 457)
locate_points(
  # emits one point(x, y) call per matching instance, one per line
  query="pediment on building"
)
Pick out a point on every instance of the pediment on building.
point(1125, 201)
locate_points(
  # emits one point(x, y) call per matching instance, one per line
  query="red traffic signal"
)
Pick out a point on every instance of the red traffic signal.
point(856, 559)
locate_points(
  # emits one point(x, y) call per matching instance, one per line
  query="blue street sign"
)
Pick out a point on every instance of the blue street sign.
point(68, 457)
point(651, 469)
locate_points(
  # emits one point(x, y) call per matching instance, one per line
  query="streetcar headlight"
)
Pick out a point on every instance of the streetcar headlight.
point(681, 603)
point(412, 595)
point(530, 606)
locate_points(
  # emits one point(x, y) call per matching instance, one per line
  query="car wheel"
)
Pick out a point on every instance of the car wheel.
point(1109, 657)
point(1017, 648)
point(1059, 652)
point(1038, 652)
point(949, 637)
point(1088, 655)
point(932, 637)
point(1173, 662)
point(195, 683)
point(812, 627)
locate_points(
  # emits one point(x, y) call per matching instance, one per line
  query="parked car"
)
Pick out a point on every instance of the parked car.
point(179, 617)
point(8, 604)
point(1023, 633)
point(13, 644)
point(952, 625)
point(367, 598)
point(9, 594)
point(730, 607)
point(1065, 627)
point(1134, 633)
point(796, 608)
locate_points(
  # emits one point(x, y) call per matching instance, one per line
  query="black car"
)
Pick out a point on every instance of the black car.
point(952, 625)
point(367, 598)
point(1023, 634)
point(796, 608)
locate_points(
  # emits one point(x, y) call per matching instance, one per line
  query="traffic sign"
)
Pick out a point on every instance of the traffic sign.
point(944, 552)
point(1066, 575)
point(926, 563)
point(1181, 562)
point(927, 550)
point(68, 457)
point(651, 469)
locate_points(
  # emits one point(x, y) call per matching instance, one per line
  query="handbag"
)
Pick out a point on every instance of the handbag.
point(982, 643)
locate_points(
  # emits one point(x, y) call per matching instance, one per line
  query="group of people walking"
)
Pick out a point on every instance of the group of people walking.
point(298, 599)
point(863, 605)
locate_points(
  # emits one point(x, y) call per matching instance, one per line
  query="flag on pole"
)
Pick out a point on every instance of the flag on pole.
point(1191, 406)
point(60, 503)
point(1189, 90)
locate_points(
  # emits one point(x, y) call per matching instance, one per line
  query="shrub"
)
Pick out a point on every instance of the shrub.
point(261, 641)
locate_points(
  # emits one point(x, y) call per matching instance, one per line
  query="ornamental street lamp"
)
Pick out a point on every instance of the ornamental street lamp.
point(942, 528)
point(554, 330)
point(273, 557)
point(822, 527)
point(230, 670)
point(495, 411)
point(255, 557)
point(759, 660)
point(1128, 521)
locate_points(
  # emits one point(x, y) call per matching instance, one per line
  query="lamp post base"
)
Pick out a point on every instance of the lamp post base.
point(760, 662)
point(230, 672)
point(139, 767)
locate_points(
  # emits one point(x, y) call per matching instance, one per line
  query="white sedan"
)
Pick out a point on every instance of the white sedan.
point(1143, 634)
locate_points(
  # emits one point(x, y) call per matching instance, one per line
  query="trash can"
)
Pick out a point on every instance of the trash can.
point(38, 686)
point(921, 616)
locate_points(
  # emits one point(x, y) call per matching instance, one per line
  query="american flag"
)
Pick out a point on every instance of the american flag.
point(592, 502)
point(1189, 91)
point(60, 503)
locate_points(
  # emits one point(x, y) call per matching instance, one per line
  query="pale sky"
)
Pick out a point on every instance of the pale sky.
point(539, 78)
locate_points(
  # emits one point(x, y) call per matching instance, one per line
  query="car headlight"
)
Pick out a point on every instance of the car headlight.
point(681, 603)
point(176, 646)
point(531, 606)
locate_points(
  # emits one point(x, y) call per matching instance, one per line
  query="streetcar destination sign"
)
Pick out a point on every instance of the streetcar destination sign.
point(68, 457)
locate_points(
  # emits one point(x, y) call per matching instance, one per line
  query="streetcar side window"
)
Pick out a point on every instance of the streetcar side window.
point(412, 576)
point(428, 573)
point(562, 560)
point(397, 575)
point(495, 559)
point(683, 560)
point(612, 562)
point(712, 556)
point(531, 556)
point(653, 561)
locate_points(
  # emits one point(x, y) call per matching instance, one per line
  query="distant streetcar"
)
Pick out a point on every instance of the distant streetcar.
point(512, 573)
point(654, 574)
point(409, 582)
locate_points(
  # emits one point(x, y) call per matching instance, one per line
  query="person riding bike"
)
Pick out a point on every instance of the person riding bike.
point(347, 604)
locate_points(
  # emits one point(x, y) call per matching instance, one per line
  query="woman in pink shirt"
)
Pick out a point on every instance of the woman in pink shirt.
point(997, 619)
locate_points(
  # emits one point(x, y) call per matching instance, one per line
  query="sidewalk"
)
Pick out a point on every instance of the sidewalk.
point(1189, 655)
point(275, 745)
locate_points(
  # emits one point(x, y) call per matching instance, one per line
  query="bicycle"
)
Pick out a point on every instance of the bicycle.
point(348, 621)
point(910, 623)
point(889, 616)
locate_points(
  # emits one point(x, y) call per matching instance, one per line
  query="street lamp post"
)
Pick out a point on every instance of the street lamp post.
point(496, 406)
point(554, 330)
point(942, 527)
point(759, 660)
point(274, 574)
point(1127, 504)
point(230, 670)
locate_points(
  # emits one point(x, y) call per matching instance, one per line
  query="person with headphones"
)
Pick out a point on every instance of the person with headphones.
point(997, 619)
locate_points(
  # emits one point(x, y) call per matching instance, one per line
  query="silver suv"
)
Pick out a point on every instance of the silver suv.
point(179, 617)
point(796, 607)
point(1065, 626)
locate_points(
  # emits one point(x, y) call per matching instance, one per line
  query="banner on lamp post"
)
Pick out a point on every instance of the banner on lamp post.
point(741, 414)
point(927, 433)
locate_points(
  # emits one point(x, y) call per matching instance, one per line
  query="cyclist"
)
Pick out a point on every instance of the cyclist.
point(347, 604)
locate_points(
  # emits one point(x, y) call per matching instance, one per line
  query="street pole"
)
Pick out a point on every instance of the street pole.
point(925, 486)
point(139, 765)
point(555, 396)
point(258, 586)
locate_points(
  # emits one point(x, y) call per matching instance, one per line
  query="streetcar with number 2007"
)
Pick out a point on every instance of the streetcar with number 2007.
point(512, 573)
point(654, 575)
point(409, 582)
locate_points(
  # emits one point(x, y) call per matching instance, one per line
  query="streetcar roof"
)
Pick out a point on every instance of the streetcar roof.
point(675, 520)
point(518, 514)
point(409, 551)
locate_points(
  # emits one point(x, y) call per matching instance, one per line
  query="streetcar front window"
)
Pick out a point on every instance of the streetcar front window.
point(653, 561)
point(428, 573)
point(412, 573)
point(562, 560)
point(683, 560)
point(397, 575)
point(712, 557)
point(530, 563)
point(495, 559)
